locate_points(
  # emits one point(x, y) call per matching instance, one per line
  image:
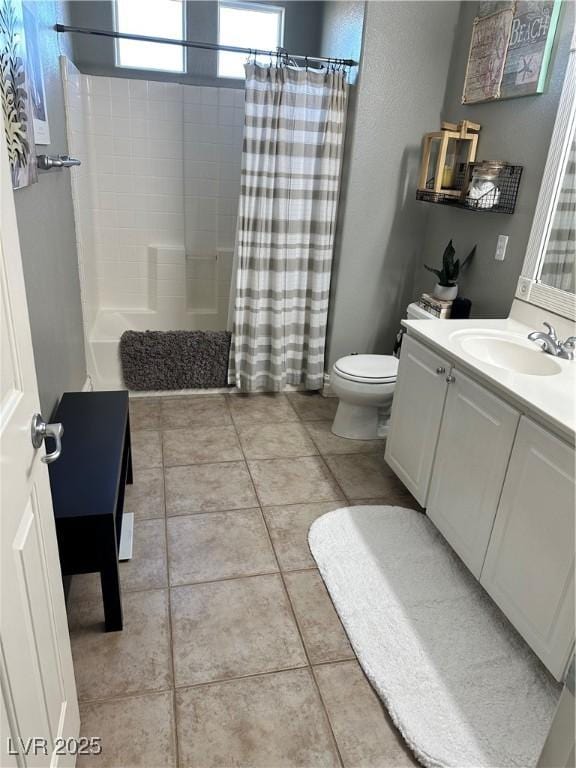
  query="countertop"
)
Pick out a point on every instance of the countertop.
point(549, 399)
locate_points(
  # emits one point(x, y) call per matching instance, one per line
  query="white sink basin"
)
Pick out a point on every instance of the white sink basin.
point(507, 351)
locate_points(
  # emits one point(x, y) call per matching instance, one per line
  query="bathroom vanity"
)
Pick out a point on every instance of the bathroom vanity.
point(482, 434)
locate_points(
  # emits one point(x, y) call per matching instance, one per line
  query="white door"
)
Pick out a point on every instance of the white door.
point(529, 567)
point(36, 675)
point(471, 459)
point(416, 415)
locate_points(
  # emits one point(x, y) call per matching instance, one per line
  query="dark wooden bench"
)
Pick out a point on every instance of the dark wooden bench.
point(88, 482)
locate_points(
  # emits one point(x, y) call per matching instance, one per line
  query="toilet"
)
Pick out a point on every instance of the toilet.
point(365, 385)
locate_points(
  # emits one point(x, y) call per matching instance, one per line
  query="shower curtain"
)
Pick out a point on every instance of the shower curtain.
point(291, 163)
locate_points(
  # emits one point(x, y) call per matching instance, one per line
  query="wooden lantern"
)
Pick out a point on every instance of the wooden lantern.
point(465, 138)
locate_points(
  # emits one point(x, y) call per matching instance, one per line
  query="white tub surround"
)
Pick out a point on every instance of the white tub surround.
point(155, 204)
point(546, 398)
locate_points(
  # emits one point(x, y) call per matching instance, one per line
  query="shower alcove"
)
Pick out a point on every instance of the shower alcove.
point(155, 204)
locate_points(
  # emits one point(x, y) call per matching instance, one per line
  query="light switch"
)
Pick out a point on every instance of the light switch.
point(501, 246)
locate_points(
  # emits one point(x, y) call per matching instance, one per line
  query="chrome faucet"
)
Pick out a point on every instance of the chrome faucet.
point(552, 344)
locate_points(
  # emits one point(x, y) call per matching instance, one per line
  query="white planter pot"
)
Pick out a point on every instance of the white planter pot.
point(445, 292)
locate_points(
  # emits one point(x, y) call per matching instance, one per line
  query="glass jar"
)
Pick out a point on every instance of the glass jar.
point(483, 191)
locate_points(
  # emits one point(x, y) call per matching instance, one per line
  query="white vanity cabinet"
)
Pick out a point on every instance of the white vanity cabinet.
point(416, 414)
point(529, 566)
point(476, 437)
point(498, 486)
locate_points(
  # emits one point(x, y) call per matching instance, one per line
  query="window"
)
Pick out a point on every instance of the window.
point(247, 25)
point(155, 18)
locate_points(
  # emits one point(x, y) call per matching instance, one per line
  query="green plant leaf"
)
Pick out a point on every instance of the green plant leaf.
point(437, 272)
point(469, 258)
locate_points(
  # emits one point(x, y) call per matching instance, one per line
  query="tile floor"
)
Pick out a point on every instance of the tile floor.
point(232, 653)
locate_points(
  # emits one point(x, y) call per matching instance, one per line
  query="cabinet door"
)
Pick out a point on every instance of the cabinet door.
point(474, 446)
point(529, 567)
point(416, 414)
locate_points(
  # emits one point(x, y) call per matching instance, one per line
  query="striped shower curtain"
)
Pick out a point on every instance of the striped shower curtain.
point(291, 162)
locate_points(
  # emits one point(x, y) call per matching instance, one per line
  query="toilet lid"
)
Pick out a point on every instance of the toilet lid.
point(373, 369)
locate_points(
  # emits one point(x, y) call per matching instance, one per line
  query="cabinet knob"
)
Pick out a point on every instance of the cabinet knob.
point(450, 379)
point(440, 370)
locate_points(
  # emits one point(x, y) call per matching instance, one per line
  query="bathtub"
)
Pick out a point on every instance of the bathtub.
point(203, 306)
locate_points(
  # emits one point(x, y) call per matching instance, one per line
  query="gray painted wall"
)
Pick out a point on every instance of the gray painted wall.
point(342, 28)
point(516, 130)
point(47, 239)
point(400, 93)
point(302, 34)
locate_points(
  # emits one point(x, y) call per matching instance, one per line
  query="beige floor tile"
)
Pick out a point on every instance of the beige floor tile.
point(364, 732)
point(311, 406)
point(270, 721)
point(363, 476)
point(275, 441)
point(328, 443)
point(200, 445)
point(289, 526)
point(261, 409)
point(145, 497)
point(293, 481)
point(218, 545)
point(82, 587)
point(136, 732)
point(233, 628)
point(194, 411)
point(208, 488)
point(136, 660)
point(324, 635)
point(146, 449)
point(144, 413)
point(146, 570)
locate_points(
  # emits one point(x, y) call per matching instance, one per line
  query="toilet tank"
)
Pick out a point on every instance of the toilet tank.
point(414, 312)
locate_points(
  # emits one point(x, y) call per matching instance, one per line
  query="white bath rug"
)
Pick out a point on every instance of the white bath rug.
point(461, 685)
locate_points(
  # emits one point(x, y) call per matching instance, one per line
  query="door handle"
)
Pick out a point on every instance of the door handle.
point(40, 431)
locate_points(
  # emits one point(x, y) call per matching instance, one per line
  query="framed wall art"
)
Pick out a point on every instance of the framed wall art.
point(487, 56)
point(14, 95)
point(510, 49)
point(529, 48)
point(36, 90)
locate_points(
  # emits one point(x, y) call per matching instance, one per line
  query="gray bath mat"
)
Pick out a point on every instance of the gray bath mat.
point(174, 359)
point(462, 686)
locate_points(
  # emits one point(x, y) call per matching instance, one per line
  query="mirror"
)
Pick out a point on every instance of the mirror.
point(548, 277)
point(558, 261)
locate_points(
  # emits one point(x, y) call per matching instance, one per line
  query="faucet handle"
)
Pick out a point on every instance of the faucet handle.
point(551, 331)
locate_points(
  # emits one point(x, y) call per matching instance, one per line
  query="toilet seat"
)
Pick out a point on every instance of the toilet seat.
point(368, 369)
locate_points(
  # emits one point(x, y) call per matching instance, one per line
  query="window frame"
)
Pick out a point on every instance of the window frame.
point(278, 10)
point(117, 42)
point(529, 287)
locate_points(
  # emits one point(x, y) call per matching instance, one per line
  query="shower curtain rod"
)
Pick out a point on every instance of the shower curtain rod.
point(280, 52)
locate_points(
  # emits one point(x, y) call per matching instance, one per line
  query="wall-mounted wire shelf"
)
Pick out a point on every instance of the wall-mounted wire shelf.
point(500, 199)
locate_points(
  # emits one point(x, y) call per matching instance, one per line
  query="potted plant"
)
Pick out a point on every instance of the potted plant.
point(447, 286)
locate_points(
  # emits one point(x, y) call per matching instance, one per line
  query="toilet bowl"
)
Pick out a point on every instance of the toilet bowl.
point(365, 386)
